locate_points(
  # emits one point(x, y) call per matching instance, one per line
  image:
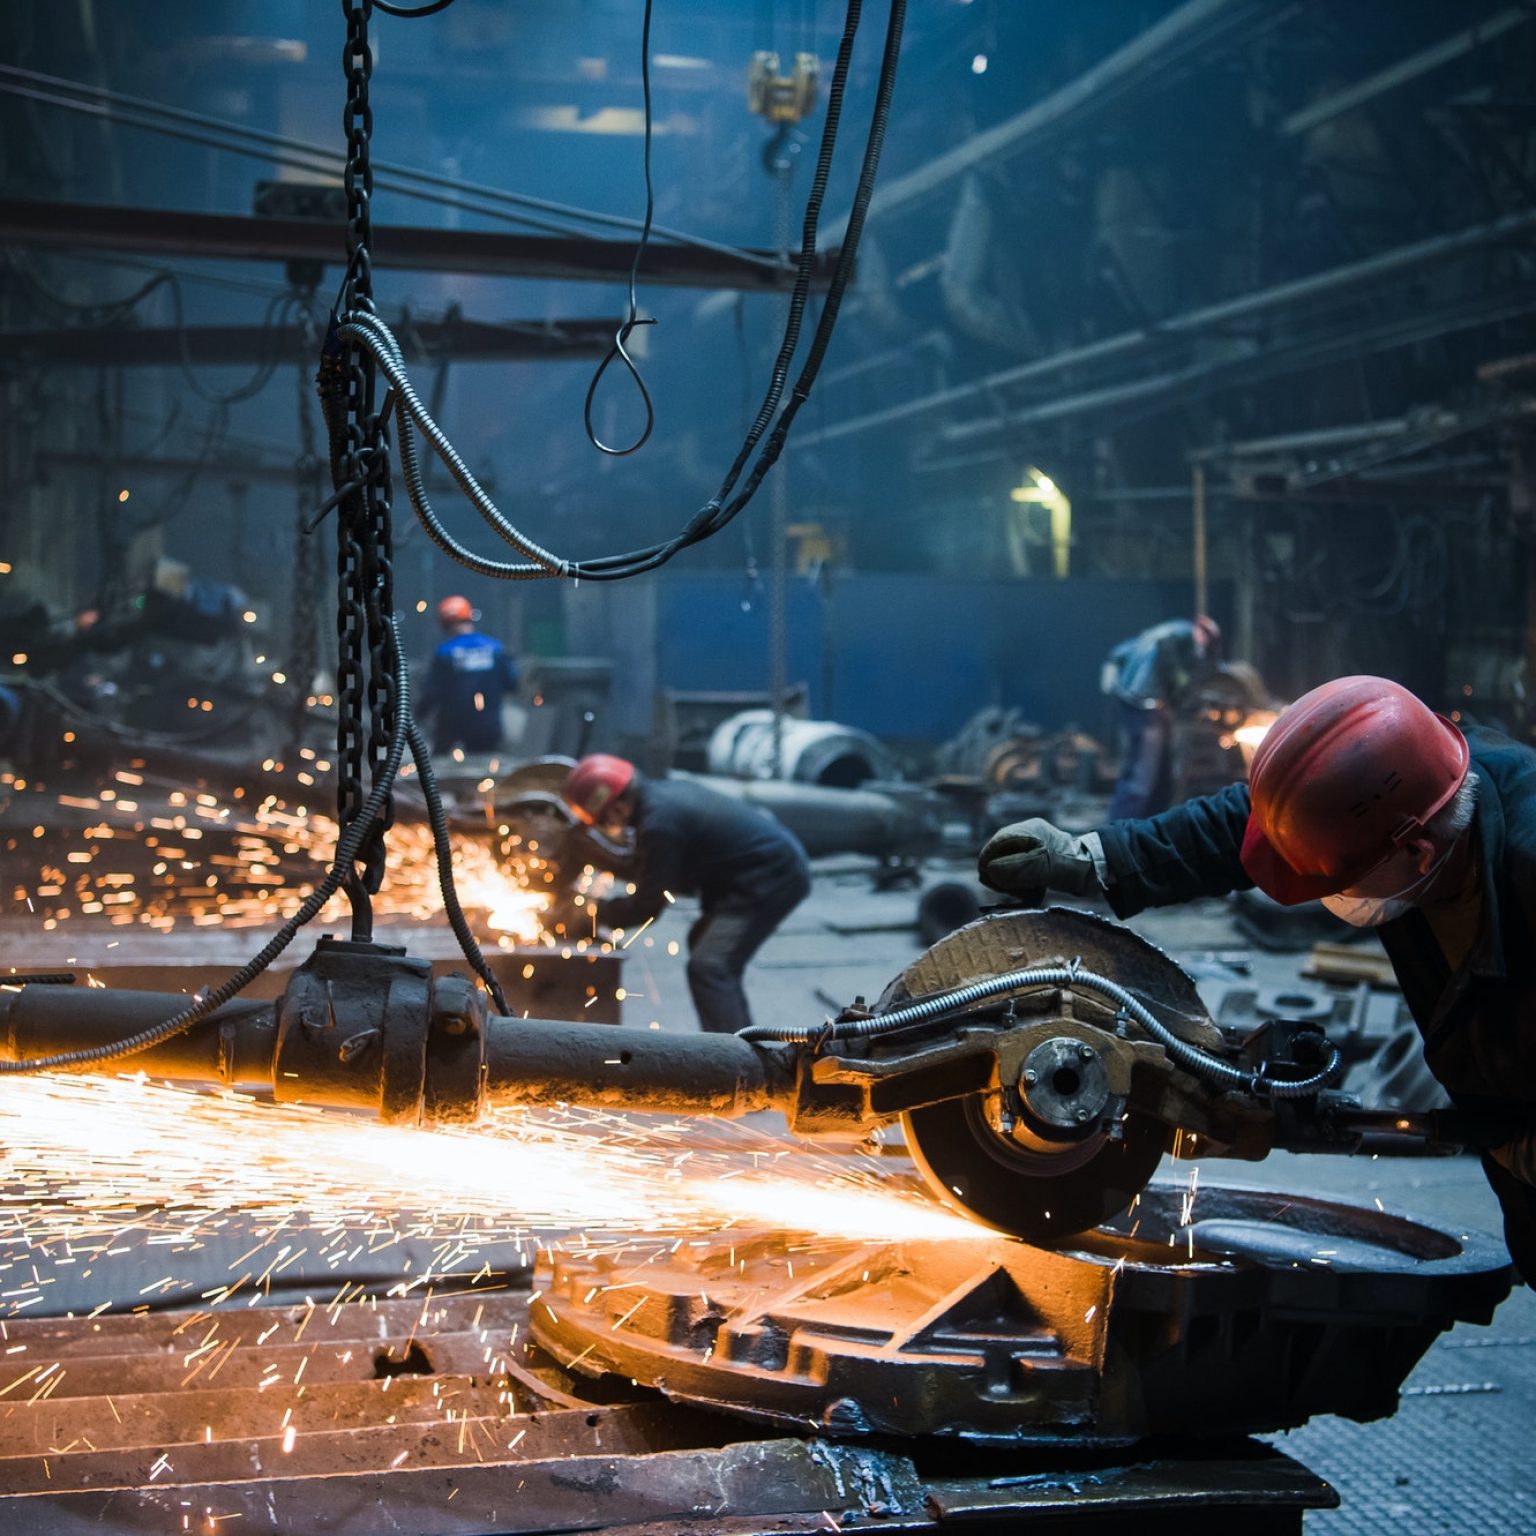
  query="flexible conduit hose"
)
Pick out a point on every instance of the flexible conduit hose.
point(371, 333)
point(942, 1004)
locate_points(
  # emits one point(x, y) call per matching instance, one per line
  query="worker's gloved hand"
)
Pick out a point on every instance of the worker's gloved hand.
point(1032, 857)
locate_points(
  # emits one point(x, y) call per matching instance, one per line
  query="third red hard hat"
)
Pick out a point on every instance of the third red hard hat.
point(455, 610)
point(595, 783)
point(1346, 776)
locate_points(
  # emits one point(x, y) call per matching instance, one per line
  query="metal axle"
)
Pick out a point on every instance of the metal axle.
point(364, 1026)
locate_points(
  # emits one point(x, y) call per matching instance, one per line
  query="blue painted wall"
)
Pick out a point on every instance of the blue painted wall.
point(913, 656)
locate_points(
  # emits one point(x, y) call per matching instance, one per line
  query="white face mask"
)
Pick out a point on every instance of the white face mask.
point(1367, 911)
point(1373, 911)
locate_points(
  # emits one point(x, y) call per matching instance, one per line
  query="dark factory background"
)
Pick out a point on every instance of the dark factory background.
point(989, 983)
point(1247, 250)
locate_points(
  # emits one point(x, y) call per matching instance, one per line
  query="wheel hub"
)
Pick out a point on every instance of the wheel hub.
point(1064, 1090)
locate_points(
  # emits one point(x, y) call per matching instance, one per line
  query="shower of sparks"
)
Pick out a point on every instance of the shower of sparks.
point(137, 851)
point(90, 1167)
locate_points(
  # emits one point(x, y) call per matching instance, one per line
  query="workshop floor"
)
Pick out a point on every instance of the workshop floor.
point(1454, 1457)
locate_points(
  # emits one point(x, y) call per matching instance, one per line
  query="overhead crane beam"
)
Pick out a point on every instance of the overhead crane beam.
point(171, 232)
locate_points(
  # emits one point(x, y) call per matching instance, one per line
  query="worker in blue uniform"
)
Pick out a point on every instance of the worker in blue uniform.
point(1154, 675)
point(1395, 819)
point(748, 870)
point(470, 673)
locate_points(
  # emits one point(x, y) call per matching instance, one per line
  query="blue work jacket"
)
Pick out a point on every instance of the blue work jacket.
point(463, 691)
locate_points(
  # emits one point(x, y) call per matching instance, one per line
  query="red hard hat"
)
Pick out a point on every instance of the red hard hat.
point(1346, 776)
point(595, 783)
point(455, 610)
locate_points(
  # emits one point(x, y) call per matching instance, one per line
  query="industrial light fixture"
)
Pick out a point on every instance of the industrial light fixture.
point(979, 64)
point(1036, 488)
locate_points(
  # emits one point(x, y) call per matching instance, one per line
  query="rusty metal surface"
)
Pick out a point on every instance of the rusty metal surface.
point(1246, 1312)
point(437, 1417)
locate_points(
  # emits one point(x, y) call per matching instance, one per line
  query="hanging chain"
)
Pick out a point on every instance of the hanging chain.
point(365, 663)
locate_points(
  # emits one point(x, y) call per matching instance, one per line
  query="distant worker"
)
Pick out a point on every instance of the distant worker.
point(1155, 675)
point(1396, 820)
point(748, 870)
point(464, 686)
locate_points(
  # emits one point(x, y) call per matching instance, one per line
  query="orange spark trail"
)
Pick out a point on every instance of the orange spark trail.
point(89, 1163)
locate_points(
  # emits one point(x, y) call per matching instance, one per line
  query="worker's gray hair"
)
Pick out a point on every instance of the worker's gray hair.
point(1451, 820)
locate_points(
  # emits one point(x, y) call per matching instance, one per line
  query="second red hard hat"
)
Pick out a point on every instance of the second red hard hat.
point(595, 783)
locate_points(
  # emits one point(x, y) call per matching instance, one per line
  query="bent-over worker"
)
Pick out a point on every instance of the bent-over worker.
point(1155, 675)
point(749, 871)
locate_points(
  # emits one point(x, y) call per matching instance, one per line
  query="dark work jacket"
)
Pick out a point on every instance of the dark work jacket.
point(690, 839)
point(1478, 1022)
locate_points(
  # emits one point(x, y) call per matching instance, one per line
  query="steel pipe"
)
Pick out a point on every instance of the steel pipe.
point(376, 1032)
point(235, 1046)
point(537, 1061)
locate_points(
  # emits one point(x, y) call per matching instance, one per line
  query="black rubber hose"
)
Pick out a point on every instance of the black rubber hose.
point(443, 848)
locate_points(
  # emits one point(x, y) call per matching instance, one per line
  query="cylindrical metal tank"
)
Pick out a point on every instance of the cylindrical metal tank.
point(811, 751)
point(904, 821)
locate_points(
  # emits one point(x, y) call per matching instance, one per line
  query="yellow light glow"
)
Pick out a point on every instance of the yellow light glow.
point(1038, 489)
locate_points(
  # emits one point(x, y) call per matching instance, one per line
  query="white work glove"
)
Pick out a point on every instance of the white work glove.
point(1032, 857)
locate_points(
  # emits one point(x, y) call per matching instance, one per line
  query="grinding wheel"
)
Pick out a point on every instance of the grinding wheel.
point(1001, 1175)
point(988, 1177)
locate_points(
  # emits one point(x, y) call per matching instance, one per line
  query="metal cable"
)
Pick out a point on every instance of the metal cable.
point(361, 327)
point(370, 332)
point(632, 315)
point(942, 1005)
point(304, 614)
point(296, 153)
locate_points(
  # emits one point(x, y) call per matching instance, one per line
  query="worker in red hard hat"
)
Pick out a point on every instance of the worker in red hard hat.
point(748, 870)
point(465, 682)
point(1364, 798)
point(1153, 676)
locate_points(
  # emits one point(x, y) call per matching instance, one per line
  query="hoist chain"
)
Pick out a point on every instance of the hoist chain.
point(365, 664)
